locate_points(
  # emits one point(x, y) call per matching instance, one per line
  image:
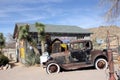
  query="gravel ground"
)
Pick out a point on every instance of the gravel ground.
point(38, 73)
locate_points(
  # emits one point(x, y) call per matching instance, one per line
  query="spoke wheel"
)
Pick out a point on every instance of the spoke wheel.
point(53, 68)
point(101, 64)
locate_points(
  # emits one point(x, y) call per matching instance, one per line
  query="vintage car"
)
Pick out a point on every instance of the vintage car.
point(78, 54)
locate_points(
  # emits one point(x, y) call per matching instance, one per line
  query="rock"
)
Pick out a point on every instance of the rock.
point(7, 66)
point(1, 68)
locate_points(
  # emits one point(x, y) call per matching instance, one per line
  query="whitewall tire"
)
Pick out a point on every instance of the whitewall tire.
point(52, 68)
point(101, 64)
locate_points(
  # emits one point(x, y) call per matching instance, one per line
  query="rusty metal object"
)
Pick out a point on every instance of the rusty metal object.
point(111, 65)
point(75, 57)
point(110, 60)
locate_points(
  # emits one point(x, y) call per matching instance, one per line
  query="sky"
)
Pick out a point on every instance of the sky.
point(82, 13)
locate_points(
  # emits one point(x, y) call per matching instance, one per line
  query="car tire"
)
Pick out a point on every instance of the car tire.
point(101, 64)
point(52, 68)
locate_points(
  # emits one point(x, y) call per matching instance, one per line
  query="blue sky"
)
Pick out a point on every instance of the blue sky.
point(82, 13)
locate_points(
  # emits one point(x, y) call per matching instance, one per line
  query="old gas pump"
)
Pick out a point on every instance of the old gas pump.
point(110, 60)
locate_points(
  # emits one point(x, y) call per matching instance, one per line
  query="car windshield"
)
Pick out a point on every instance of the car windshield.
point(81, 45)
point(77, 46)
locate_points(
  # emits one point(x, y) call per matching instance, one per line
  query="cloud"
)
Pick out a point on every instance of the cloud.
point(23, 13)
point(77, 16)
point(13, 20)
point(38, 11)
point(18, 11)
point(46, 11)
point(81, 17)
point(29, 1)
point(8, 7)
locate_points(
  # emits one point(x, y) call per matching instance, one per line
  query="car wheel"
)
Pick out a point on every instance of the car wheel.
point(101, 64)
point(53, 68)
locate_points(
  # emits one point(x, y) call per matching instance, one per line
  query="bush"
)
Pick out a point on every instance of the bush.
point(37, 58)
point(30, 58)
point(3, 60)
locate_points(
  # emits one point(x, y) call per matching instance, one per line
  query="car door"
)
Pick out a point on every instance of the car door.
point(77, 53)
point(87, 50)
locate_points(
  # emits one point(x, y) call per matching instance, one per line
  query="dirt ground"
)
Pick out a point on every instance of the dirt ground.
point(21, 72)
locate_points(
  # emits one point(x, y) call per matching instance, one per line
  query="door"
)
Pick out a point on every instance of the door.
point(77, 52)
point(78, 55)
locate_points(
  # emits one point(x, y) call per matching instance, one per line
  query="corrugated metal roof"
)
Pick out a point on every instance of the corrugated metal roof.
point(65, 29)
point(58, 28)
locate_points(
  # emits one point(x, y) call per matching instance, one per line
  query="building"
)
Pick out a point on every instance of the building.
point(57, 31)
point(64, 33)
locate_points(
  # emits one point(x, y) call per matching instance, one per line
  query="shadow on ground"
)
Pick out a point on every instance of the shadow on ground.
point(81, 69)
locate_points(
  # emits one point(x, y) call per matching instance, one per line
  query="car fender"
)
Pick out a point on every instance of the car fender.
point(98, 54)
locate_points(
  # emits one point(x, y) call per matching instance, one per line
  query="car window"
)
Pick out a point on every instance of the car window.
point(77, 46)
point(87, 45)
point(81, 45)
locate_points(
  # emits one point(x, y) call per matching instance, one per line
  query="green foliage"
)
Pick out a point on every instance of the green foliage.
point(32, 41)
point(32, 58)
point(2, 41)
point(24, 35)
point(41, 30)
point(3, 60)
point(40, 27)
point(41, 34)
point(37, 58)
point(23, 32)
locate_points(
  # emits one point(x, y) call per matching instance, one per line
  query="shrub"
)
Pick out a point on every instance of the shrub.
point(37, 58)
point(3, 60)
point(30, 58)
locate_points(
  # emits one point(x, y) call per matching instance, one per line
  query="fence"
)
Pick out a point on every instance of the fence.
point(10, 53)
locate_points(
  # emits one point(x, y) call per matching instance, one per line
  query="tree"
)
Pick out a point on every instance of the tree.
point(41, 35)
point(23, 32)
point(113, 11)
point(10, 42)
point(112, 14)
point(2, 42)
point(23, 37)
